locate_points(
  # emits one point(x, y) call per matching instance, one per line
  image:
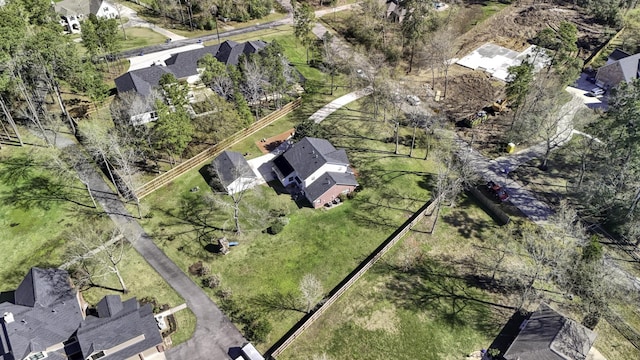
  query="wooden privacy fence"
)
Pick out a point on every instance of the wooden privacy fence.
point(183, 167)
point(346, 283)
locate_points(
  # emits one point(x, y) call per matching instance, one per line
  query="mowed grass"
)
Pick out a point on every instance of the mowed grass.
point(138, 37)
point(431, 311)
point(31, 219)
point(325, 243)
point(36, 224)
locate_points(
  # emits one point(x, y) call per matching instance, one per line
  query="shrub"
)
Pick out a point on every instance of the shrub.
point(199, 269)
point(212, 281)
point(275, 228)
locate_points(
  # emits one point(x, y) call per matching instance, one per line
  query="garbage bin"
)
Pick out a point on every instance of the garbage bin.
point(511, 147)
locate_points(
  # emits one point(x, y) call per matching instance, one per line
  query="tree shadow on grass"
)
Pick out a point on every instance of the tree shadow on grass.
point(435, 287)
point(42, 192)
point(466, 226)
point(278, 303)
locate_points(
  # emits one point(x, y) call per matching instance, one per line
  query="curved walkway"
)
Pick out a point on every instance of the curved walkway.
point(336, 104)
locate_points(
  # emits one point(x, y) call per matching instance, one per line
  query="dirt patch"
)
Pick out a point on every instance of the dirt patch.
point(267, 145)
point(516, 25)
point(385, 319)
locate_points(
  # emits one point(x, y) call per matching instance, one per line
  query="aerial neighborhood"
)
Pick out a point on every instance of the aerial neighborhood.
point(319, 180)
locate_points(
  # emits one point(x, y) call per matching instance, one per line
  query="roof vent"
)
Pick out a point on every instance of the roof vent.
point(8, 317)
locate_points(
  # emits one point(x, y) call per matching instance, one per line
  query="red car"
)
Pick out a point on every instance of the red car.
point(498, 192)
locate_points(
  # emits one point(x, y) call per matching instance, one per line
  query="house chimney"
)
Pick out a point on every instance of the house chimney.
point(8, 318)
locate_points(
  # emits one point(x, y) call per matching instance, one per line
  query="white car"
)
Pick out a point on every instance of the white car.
point(413, 100)
point(596, 92)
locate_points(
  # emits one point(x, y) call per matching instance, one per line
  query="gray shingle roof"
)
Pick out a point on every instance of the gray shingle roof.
point(629, 66)
point(309, 154)
point(548, 335)
point(130, 322)
point(184, 64)
point(45, 312)
point(326, 182)
point(232, 165)
point(77, 7)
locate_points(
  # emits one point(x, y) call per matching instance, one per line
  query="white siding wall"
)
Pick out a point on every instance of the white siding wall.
point(107, 11)
point(241, 184)
point(325, 168)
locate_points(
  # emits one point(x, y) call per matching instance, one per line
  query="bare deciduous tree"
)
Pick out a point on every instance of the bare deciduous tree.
point(98, 253)
point(311, 291)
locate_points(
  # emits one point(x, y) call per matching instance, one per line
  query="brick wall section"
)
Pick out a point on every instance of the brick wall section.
point(333, 193)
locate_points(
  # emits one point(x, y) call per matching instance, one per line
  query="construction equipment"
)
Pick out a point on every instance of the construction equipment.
point(476, 119)
point(499, 106)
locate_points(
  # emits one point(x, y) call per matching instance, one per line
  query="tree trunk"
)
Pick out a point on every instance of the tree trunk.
point(63, 108)
point(397, 131)
point(9, 118)
point(413, 139)
point(236, 216)
point(95, 206)
point(120, 279)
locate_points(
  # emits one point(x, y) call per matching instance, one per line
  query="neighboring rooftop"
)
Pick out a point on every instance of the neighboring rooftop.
point(44, 312)
point(117, 323)
point(184, 64)
point(77, 7)
point(618, 54)
point(548, 335)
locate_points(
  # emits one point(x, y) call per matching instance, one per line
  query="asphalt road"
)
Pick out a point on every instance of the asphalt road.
point(215, 335)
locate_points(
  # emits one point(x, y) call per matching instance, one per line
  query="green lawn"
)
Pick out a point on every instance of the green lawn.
point(428, 312)
point(140, 37)
point(33, 212)
point(328, 244)
point(37, 217)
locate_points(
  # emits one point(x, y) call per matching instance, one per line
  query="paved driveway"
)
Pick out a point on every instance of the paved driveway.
point(580, 89)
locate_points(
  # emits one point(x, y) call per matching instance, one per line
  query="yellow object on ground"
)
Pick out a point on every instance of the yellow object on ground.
point(511, 147)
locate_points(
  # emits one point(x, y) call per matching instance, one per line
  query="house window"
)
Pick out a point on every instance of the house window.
point(37, 356)
point(298, 180)
point(291, 179)
point(97, 355)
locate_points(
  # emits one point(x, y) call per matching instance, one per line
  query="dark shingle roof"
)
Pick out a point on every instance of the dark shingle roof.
point(185, 64)
point(45, 312)
point(618, 54)
point(548, 335)
point(141, 81)
point(326, 182)
point(230, 166)
point(309, 154)
point(130, 322)
point(44, 287)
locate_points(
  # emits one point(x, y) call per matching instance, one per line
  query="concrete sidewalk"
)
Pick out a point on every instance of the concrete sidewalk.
point(336, 104)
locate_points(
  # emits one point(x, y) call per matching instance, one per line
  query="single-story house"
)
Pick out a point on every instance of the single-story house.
point(72, 12)
point(549, 335)
point(47, 318)
point(316, 170)
point(233, 172)
point(620, 67)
